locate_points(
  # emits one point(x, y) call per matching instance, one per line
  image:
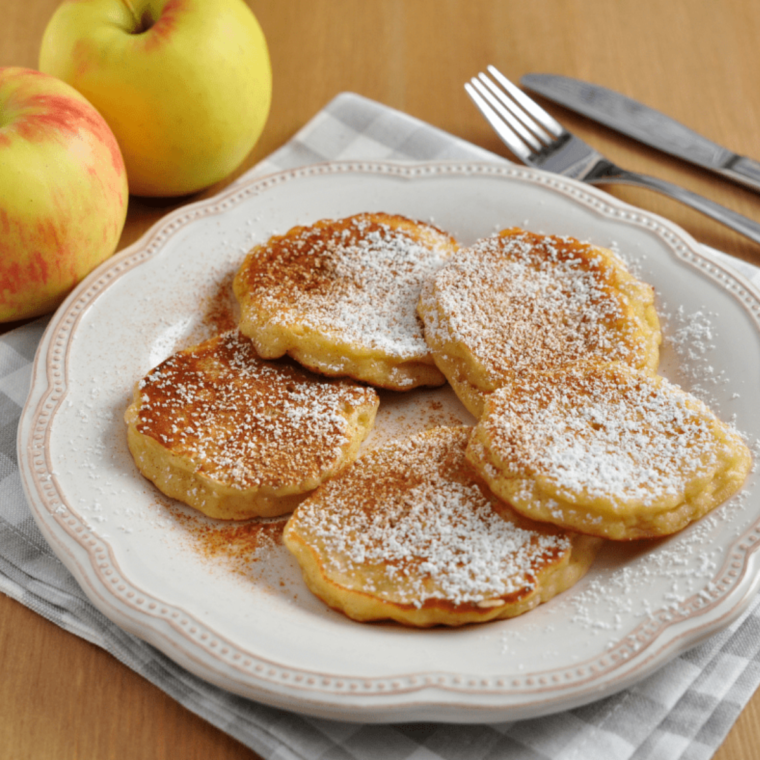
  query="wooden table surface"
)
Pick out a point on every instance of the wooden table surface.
point(697, 60)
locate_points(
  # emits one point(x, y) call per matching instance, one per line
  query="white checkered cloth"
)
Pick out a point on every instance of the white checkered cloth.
point(683, 711)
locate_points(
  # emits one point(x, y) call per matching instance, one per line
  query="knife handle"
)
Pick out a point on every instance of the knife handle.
point(743, 170)
point(737, 222)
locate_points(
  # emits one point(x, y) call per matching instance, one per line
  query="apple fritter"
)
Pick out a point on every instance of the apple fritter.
point(236, 436)
point(609, 450)
point(519, 302)
point(409, 532)
point(339, 296)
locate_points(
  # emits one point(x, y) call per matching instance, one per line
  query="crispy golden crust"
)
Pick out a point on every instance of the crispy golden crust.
point(410, 533)
point(519, 302)
point(607, 450)
point(235, 436)
point(339, 296)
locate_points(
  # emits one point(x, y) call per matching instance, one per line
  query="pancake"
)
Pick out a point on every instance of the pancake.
point(609, 451)
point(339, 296)
point(235, 436)
point(518, 302)
point(410, 533)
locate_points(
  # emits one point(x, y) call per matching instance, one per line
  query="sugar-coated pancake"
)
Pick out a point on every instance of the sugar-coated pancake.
point(410, 533)
point(236, 436)
point(607, 450)
point(519, 302)
point(340, 297)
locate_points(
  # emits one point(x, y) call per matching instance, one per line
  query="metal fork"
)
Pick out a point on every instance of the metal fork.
point(539, 140)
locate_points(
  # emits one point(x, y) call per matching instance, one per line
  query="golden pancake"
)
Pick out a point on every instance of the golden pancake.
point(340, 296)
point(235, 436)
point(607, 450)
point(410, 533)
point(518, 302)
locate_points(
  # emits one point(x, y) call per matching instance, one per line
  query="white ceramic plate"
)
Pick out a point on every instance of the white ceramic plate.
point(231, 607)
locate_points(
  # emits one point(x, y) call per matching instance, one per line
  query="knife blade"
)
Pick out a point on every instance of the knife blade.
point(644, 124)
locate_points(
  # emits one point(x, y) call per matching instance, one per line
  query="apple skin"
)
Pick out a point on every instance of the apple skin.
point(63, 192)
point(185, 85)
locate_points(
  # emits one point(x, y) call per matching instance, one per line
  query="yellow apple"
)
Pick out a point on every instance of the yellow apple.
point(63, 191)
point(185, 85)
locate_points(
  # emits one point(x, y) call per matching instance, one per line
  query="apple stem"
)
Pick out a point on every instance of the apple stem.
point(144, 22)
point(131, 9)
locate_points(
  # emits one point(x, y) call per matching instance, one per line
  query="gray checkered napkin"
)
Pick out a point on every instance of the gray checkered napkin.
point(683, 711)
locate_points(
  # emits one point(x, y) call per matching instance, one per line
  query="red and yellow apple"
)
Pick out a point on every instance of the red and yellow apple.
point(63, 192)
point(185, 85)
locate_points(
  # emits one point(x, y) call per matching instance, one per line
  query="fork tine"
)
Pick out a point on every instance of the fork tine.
point(506, 115)
point(507, 135)
point(529, 105)
point(532, 125)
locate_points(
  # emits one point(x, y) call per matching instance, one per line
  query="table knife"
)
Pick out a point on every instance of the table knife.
point(645, 125)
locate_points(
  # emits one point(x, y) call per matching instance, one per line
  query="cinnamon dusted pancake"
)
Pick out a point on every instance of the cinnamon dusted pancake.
point(340, 296)
point(518, 302)
point(410, 533)
point(235, 436)
point(609, 450)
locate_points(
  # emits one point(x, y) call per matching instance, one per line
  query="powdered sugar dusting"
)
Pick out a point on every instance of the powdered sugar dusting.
point(521, 301)
point(246, 421)
point(693, 338)
point(356, 281)
point(410, 509)
point(608, 434)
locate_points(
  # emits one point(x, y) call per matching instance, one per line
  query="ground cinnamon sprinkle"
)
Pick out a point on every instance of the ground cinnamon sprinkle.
point(410, 523)
point(433, 414)
point(219, 309)
point(240, 543)
point(356, 280)
point(428, 414)
point(246, 422)
point(519, 301)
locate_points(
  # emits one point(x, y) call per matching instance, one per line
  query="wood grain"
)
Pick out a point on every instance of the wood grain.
point(62, 698)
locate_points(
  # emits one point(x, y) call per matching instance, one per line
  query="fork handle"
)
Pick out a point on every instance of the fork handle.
point(610, 174)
